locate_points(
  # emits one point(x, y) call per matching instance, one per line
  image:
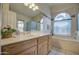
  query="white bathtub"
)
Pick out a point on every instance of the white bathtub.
point(66, 44)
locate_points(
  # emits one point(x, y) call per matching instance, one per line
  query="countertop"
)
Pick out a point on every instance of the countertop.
point(22, 37)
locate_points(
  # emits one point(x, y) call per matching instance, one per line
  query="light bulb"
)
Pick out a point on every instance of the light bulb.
point(30, 6)
point(26, 4)
point(36, 7)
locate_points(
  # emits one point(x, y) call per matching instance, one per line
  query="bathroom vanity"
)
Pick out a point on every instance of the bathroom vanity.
point(36, 44)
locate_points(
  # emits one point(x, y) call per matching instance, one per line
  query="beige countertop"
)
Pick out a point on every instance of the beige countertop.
point(22, 37)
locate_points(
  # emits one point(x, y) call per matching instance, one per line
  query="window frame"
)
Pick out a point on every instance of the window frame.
point(61, 21)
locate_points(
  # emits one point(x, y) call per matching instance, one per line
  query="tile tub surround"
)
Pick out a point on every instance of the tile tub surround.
point(22, 37)
point(78, 35)
point(66, 44)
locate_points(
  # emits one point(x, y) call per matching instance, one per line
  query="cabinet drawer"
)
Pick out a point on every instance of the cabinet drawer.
point(18, 47)
point(42, 39)
point(30, 51)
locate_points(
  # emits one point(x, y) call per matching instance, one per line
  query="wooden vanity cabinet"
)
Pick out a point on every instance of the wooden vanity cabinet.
point(30, 51)
point(42, 48)
point(50, 43)
point(35, 46)
point(17, 48)
point(43, 45)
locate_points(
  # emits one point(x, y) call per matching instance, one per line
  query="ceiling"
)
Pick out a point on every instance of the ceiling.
point(21, 8)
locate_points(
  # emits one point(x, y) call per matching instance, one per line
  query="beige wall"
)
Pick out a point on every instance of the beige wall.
point(72, 9)
point(8, 17)
point(5, 9)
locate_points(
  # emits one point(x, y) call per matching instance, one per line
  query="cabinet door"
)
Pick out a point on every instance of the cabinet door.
point(50, 43)
point(30, 51)
point(42, 48)
point(42, 39)
point(18, 47)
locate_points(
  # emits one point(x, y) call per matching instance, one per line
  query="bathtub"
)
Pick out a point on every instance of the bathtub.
point(66, 44)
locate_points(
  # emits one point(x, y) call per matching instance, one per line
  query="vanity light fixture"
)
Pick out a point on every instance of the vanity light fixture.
point(34, 9)
point(26, 4)
point(32, 6)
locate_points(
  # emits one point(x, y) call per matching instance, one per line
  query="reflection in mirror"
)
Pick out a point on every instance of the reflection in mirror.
point(32, 25)
point(62, 24)
point(20, 25)
point(78, 22)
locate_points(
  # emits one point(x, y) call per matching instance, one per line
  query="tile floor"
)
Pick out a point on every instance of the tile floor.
point(57, 52)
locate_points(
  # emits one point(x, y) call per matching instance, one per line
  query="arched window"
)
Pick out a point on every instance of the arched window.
point(62, 24)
